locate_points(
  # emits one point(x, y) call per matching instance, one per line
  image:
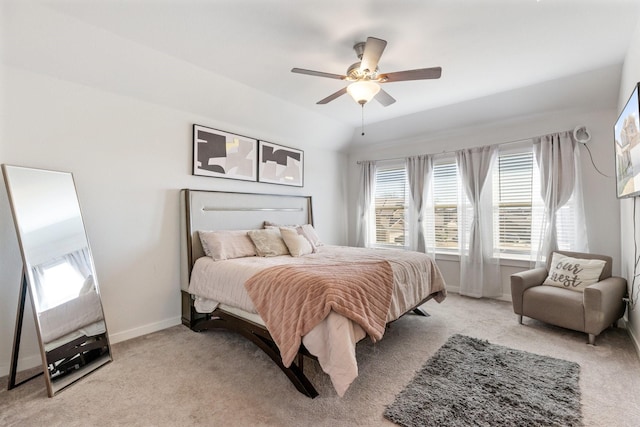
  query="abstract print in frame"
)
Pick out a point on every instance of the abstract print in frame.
point(280, 165)
point(224, 155)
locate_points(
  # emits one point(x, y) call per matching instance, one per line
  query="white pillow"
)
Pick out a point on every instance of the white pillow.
point(221, 245)
point(297, 243)
point(268, 242)
point(310, 233)
point(307, 231)
point(573, 273)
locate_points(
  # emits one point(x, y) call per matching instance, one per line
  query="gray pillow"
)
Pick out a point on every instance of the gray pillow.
point(268, 242)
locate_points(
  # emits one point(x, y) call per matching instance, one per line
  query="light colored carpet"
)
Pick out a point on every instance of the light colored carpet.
point(217, 378)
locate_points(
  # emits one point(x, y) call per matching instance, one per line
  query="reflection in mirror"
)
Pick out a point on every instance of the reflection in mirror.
point(60, 273)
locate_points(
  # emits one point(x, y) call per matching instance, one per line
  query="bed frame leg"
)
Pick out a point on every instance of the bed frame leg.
point(293, 372)
point(300, 361)
point(421, 312)
point(221, 320)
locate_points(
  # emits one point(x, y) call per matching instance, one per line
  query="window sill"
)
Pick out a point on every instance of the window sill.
point(505, 260)
point(515, 262)
point(444, 256)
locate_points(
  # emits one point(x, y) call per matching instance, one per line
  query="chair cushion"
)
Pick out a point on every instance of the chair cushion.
point(573, 273)
point(554, 305)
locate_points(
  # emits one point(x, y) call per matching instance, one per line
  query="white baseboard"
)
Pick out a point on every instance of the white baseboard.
point(33, 360)
point(143, 330)
point(26, 362)
point(505, 297)
point(634, 339)
point(456, 290)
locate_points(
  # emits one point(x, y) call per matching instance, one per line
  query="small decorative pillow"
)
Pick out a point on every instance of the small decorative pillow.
point(573, 273)
point(296, 241)
point(221, 245)
point(307, 231)
point(268, 242)
point(310, 233)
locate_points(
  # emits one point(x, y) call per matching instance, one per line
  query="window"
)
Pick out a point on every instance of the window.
point(513, 182)
point(63, 284)
point(514, 202)
point(446, 187)
point(391, 202)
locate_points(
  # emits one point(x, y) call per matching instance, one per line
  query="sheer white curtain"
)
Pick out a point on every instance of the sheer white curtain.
point(558, 160)
point(366, 216)
point(80, 260)
point(40, 300)
point(479, 266)
point(419, 176)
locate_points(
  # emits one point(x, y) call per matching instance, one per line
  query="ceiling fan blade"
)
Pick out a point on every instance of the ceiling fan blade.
point(384, 98)
point(419, 74)
point(372, 52)
point(318, 73)
point(333, 96)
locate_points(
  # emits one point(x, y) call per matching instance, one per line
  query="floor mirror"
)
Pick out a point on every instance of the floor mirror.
point(59, 275)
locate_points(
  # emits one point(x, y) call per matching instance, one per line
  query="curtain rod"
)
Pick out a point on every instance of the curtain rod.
point(453, 151)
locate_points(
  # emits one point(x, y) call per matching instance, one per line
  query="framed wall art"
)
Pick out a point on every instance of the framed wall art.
point(280, 165)
point(222, 154)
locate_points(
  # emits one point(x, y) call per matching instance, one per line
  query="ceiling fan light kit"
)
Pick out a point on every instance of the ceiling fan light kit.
point(363, 91)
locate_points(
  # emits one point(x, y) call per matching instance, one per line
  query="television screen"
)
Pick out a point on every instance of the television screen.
point(627, 146)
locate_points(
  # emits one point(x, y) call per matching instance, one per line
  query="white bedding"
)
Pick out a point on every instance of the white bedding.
point(70, 316)
point(332, 341)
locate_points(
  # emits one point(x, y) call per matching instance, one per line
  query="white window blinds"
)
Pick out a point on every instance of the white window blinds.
point(445, 198)
point(515, 172)
point(391, 202)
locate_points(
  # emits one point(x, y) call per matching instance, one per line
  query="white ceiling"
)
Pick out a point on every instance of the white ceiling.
point(485, 47)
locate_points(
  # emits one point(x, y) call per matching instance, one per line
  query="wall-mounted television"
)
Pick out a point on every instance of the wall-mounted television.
point(627, 147)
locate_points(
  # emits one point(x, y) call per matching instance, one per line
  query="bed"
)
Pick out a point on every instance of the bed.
point(239, 293)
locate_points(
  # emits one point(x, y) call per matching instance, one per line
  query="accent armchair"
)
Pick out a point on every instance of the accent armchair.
point(590, 310)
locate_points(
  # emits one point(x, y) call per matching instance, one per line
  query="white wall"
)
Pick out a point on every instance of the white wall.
point(601, 206)
point(130, 154)
point(630, 77)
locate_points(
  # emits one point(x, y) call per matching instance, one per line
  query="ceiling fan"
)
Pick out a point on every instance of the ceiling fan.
point(364, 77)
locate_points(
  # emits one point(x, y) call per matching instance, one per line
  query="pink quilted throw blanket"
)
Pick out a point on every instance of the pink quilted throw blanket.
point(293, 299)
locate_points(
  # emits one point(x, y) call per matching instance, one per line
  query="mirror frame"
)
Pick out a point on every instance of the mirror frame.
point(27, 284)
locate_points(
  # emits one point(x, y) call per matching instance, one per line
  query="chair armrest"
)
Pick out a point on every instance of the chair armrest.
point(522, 281)
point(603, 303)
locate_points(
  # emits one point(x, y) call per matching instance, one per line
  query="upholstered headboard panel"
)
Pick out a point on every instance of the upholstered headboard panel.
point(215, 210)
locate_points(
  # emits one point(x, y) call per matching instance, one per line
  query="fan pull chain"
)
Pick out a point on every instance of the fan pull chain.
point(362, 105)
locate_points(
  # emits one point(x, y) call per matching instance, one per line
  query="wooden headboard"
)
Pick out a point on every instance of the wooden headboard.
point(216, 210)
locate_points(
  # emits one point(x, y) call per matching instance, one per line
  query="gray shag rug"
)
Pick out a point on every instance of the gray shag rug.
point(472, 382)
